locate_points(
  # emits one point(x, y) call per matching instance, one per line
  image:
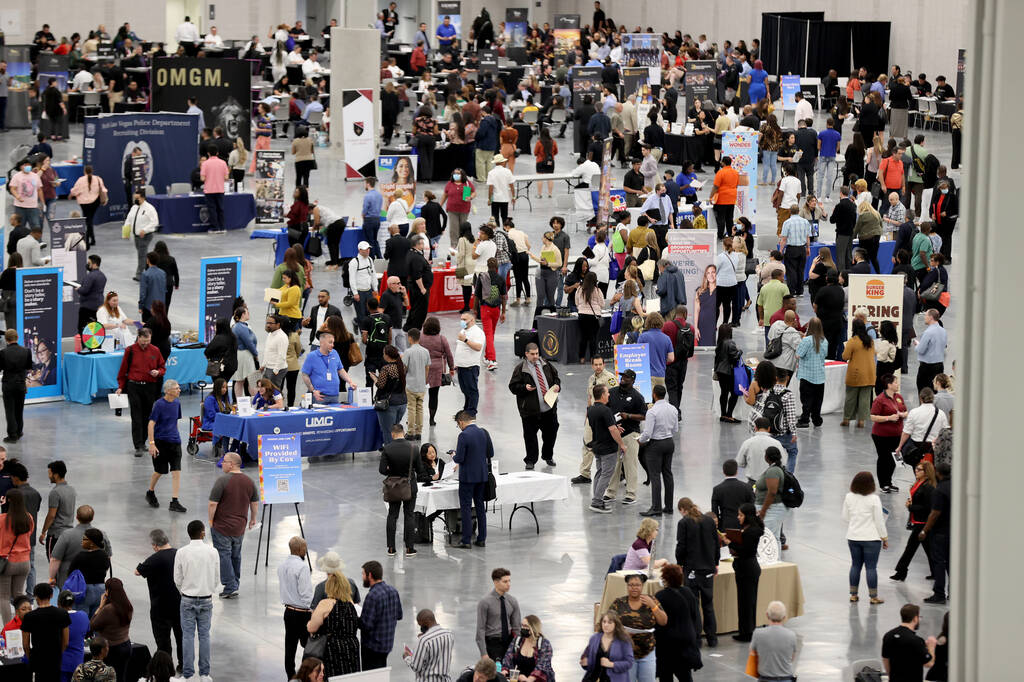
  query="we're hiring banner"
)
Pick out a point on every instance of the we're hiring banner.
point(881, 295)
point(40, 316)
point(220, 283)
point(169, 146)
point(220, 86)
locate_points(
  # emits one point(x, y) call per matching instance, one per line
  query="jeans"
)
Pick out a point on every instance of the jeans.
point(503, 270)
point(229, 547)
point(559, 288)
point(828, 167)
point(371, 224)
point(388, 418)
point(32, 217)
point(215, 207)
point(603, 474)
point(196, 614)
point(408, 525)
point(30, 581)
point(91, 600)
point(658, 459)
point(644, 669)
point(864, 553)
point(769, 161)
point(468, 379)
point(789, 445)
point(470, 495)
point(773, 519)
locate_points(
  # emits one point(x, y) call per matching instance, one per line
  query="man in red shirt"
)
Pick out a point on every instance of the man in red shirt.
point(142, 371)
point(788, 303)
point(214, 174)
point(417, 60)
point(723, 196)
point(682, 336)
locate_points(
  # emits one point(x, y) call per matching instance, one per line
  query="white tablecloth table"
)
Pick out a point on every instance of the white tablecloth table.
point(519, 489)
point(835, 387)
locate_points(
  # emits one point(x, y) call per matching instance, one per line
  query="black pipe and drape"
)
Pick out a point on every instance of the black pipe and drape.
point(803, 43)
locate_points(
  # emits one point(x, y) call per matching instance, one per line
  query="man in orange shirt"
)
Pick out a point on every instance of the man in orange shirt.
point(723, 196)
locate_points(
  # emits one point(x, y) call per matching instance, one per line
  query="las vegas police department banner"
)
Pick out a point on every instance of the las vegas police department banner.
point(882, 295)
point(169, 145)
point(40, 315)
point(220, 283)
point(221, 87)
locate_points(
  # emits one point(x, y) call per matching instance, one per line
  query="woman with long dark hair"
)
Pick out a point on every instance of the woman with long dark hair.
point(160, 327)
point(855, 155)
point(677, 644)
point(771, 143)
point(811, 354)
point(859, 353)
point(297, 218)
point(747, 570)
point(218, 402)
point(112, 621)
point(389, 382)
point(609, 653)
point(574, 279)
point(288, 305)
point(727, 356)
point(590, 304)
point(544, 151)
point(15, 532)
point(223, 348)
point(247, 353)
point(166, 262)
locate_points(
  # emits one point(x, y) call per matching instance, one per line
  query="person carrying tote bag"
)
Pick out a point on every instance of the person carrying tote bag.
point(399, 491)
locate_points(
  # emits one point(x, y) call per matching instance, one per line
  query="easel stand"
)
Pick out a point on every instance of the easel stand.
point(266, 518)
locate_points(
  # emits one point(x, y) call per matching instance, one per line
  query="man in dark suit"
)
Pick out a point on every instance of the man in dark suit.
point(396, 252)
point(531, 380)
point(319, 314)
point(844, 217)
point(15, 362)
point(806, 142)
point(223, 144)
point(473, 454)
point(727, 496)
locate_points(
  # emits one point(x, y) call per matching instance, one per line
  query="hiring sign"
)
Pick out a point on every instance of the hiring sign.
point(881, 295)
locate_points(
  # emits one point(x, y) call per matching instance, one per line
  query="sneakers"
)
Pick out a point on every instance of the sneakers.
point(580, 480)
point(410, 552)
point(803, 425)
point(935, 599)
point(151, 498)
point(629, 500)
point(229, 594)
point(600, 508)
point(176, 506)
point(529, 467)
point(392, 551)
point(890, 489)
point(491, 365)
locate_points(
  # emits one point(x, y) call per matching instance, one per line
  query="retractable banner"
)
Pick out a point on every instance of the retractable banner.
point(67, 250)
point(268, 186)
point(452, 9)
point(220, 283)
point(637, 357)
point(700, 81)
point(40, 316)
point(359, 138)
point(516, 26)
point(396, 178)
point(693, 252)
point(881, 295)
point(790, 86)
point(567, 33)
point(641, 49)
point(168, 145)
point(221, 88)
point(586, 80)
point(741, 147)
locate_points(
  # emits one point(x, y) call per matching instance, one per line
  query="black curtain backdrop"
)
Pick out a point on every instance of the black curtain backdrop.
point(828, 47)
point(871, 46)
point(785, 34)
point(803, 43)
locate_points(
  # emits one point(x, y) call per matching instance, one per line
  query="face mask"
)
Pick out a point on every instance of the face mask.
point(525, 632)
point(462, 323)
point(944, 191)
point(457, 177)
point(26, 168)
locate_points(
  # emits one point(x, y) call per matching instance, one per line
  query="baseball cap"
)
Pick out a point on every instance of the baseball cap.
point(363, 245)
point(628, 373)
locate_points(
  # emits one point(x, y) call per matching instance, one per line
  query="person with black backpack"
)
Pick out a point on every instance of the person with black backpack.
point(682, 335)
point(776, 404)
point(376, 333)
point(768, 497)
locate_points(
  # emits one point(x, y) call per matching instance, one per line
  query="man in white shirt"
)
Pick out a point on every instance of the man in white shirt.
point(82, 80)
point(296, 590)
point(751, 454)
point(312, 66)
point(468, 350)
point(30, 249)
point(193, 108)
point(295, 57)
point(187, 35)
point(789, 185)
point(212, 39)
point(803, 107)
point(275, 354)
point(500, 190)
point(143, 220)
point(361, 279)
point(197, 576)
point(585, 172)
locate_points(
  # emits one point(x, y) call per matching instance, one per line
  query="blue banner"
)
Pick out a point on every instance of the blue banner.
point(40, 315)
point(280, 469)
point(220, 283)
point(637, 357)
point(517, 26)
point(790, 86)
point(168, 142)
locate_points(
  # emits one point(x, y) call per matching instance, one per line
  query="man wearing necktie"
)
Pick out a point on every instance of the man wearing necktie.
point(531, 380)
point(795, 244)
point(497, 617)
point(658, 206)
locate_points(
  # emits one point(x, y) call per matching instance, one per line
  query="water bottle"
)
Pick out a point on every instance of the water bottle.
point(78, 343)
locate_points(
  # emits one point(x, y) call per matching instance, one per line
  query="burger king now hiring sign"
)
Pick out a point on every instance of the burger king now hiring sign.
point(881, 295)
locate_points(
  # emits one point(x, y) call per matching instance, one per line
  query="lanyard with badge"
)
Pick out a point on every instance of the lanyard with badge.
point(326, 359)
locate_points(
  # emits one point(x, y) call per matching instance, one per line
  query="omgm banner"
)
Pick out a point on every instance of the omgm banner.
point(586, 80)
point(220, 86)
point(516, 26)
point(280, 468)
point(220, 283)
point(67, 250)
point(882, 295)
point(453, 10)
point(693, 252)
point(268, 186)
point(700, 81)
point(169, 144)
point(40, 315)
point(641, 49)
point(358, 137)
point(396, 178)
point(741, 146)
point(790, 86)
point(637, 357)
point(567, 32)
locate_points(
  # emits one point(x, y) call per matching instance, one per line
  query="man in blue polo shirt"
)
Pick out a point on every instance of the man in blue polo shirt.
point(828, 148)
point(661, 351)
point(322, 371)
point(446, 35)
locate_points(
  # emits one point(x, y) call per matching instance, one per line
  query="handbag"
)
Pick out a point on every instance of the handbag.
point(4, 559)
point(741, 377)
point(752, 664)
point(316, 647)
point(461, 272)
point(355, 356)
point(399, 488)
point(383, 400)
point(446, 379)
point(915, 451)
point(615, 325)
point(777, 195)
point(932, 293)
point(315, 247)
point(214, 368)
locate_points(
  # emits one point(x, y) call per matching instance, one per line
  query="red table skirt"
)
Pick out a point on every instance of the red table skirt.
point(445, 292)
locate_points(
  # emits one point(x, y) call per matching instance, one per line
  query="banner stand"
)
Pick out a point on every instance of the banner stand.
point(266, 518)
point(40, 316)
point(280, 462)
point(220, 284)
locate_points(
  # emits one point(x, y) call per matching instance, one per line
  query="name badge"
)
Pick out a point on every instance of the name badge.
point(329, 376)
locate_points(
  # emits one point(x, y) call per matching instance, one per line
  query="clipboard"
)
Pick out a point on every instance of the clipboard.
point(735, 536)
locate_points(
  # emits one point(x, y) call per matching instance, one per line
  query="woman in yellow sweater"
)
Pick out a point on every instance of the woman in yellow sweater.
point(288, 303)
point(859, 353)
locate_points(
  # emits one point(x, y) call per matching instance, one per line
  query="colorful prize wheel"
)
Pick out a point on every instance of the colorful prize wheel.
point(93, 335)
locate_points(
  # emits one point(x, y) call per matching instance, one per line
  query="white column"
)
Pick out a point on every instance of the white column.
point(359, 14)
point(987, 553)
point(355, 64)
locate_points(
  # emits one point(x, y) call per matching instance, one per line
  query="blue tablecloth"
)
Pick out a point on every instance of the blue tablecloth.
point(69, 173)
point(187, 212)
point(348, 248)
point(325, 431)
point(885, 255)
point(86, 375)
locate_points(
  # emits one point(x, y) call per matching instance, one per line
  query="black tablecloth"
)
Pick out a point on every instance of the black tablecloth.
point(560, 337)
point(680, 148)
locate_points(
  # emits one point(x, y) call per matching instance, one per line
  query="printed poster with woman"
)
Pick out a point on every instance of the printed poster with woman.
point(693, 252)
point(396, 177)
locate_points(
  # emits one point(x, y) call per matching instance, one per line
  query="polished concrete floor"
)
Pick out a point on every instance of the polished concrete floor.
point(557, 575)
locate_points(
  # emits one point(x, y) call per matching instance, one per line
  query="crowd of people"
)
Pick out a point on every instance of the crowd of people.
point(890, 186)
